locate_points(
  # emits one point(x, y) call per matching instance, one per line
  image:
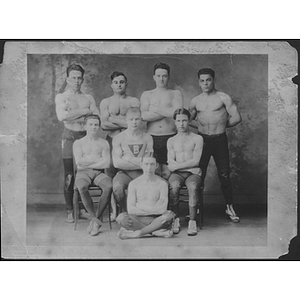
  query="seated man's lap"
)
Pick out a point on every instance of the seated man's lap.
point(91, 176)
point(124, 177)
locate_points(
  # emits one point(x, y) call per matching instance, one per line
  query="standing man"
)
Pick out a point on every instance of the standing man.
point(215, 112)
point(157, 108)
point(184, 153)
point(147, 205)
point(128, 148)
point(92, 157)
point(71, 107)
point(112, 114)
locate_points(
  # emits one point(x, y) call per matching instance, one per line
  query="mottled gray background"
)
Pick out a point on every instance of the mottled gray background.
point(243, 77)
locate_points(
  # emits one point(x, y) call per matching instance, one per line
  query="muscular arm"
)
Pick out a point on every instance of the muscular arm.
point(104, 161)
point(104, 116)
point(160, 206)
point(147, 115)
point(118, 161)
point(168, 112)
point(93, 106)
point(234, 115)
point(131, 201)
point(118, 120)
point(191, 163)
point(64, 115)
point(193, 109)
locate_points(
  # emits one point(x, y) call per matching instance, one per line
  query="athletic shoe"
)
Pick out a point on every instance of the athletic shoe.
point(95, 227)
point(233, 217)
point(70, 218)
point(192, 230)
point(176, 226)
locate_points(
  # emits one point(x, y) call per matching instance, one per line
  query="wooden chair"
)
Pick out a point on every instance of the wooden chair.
point(184, 198)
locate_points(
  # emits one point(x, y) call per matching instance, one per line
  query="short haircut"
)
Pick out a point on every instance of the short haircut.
point(181, 111)
point(75, 67)
point(116, 74)
point(206, 71)
point(149, 154)
point(161, 65)
point(134, 109)
point(88, 117)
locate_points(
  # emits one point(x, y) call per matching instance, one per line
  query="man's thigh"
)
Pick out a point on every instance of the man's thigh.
point(121, 179)
point(175, 177)
point(83, 174)
point(102, 179)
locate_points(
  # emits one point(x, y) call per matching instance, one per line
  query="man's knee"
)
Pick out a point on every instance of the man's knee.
point(225, 178)
point(106, 186)
point(118, 190)
point(168, 217)
point(69, 182)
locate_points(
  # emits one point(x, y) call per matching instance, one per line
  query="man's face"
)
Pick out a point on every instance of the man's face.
point(206, 83)
point(149, 165)
point(161, 77)
point(92, 126)
point(182, 123)
point(119, 85)
point(133, 120)
point(75, 80)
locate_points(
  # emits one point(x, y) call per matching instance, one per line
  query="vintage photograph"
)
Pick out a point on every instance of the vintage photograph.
point(148, 150)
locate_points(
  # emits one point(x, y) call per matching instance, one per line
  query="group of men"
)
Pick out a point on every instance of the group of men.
point(152, 165)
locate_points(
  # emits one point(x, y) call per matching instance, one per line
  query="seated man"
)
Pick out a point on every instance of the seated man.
point(147, 205)
point(92, 156)
point(128, 148)
point(184, 153)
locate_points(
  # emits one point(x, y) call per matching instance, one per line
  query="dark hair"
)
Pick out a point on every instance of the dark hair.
point(96, 117)
point(149, 154)
point(133, 109)
point(181, 111)
point(205, 71)
point(75, 67)
point(116, 74)
point(161, 65)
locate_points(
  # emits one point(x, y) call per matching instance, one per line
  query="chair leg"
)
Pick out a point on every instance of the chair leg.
point(201, 209)
point(76, 207)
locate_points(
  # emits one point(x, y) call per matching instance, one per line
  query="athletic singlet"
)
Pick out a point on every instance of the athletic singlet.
point(135, 148)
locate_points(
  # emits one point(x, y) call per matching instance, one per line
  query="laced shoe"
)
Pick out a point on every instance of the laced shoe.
point(96, 224)
point(176, 226)
point(232, 215)
point(192, 229)
point(70, 218)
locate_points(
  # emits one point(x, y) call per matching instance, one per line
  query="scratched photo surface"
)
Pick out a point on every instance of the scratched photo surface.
point(257, 76)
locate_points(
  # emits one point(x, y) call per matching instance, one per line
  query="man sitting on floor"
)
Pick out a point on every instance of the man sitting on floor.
point(147, 204)
point(184, 153)
point(92, 156)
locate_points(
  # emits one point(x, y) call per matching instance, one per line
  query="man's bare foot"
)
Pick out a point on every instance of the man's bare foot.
point(166, 233)
point(231, 214)
point(128, 234)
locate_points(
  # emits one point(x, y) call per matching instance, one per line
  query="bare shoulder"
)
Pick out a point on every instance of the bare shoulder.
point(60, 98)
point(176, 93)
point(133, 101)
point(196, 98)
point(104, 102)
point(196, 137)
point(148, 93)
point(224, 97)
point(103, 142)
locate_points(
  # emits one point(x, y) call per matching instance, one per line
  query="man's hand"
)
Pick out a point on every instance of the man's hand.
point(127, 221)
point(172, 167)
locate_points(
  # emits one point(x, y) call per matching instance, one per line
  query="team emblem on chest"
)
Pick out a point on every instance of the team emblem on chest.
point(135, 149)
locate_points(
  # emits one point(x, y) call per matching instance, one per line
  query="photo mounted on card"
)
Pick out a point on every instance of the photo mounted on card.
point(148, 150)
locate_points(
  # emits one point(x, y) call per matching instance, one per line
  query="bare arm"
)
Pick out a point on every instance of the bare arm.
point(234, 115)
point(93, 106)
point(193, 109)
point(104, 162)
point(118, 161)
point(104, 116)
point(131, 201)
point(147, 115)
point(64, 115)
point(191, 163)
point(118, 120)
point(168, 112)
